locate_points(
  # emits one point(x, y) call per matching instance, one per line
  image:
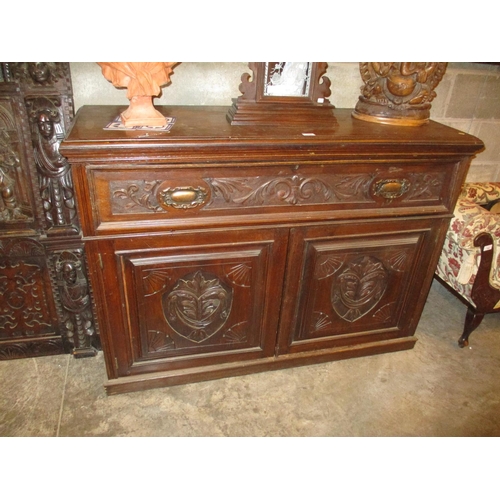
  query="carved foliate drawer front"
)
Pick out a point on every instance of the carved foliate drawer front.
point(196, 299)
point(126, 199)
point(355, 282)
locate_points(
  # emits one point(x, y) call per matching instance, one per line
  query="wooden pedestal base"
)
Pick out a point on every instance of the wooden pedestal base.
point(141, 113)
point(258, 113)
point(383, 114)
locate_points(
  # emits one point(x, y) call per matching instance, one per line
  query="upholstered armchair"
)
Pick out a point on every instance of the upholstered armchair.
point(469, 265)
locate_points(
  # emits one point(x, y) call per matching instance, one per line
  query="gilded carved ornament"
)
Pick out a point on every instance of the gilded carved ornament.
point(398, 93)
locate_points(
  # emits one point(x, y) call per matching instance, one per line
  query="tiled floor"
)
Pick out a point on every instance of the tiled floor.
point(435, 389)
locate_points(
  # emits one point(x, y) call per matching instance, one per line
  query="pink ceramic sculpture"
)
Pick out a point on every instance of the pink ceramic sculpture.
point(143, 81)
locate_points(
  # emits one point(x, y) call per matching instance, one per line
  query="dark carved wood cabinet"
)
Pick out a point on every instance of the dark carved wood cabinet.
point(217, 250)
point(45, 298)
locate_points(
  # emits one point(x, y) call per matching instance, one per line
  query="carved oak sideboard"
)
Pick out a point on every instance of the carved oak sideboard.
point(45, 298)
point(217, 250)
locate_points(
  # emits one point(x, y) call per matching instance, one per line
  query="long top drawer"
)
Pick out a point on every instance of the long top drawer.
point(207, 173)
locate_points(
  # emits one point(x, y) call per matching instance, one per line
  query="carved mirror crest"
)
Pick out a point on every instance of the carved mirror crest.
point(283, 93)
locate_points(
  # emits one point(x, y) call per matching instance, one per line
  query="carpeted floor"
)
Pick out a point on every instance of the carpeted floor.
point(435, 389)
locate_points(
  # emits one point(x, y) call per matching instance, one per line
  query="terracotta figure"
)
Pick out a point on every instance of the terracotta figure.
point(143, 81)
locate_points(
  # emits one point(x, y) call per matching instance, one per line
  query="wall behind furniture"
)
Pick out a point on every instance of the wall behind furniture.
point(468, 97)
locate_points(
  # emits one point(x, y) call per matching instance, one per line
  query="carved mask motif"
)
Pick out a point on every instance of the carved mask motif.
point(198, 306)
point(359, 287)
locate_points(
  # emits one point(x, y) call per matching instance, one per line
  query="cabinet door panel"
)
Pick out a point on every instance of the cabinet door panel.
point(353, 284)
point(194, 300)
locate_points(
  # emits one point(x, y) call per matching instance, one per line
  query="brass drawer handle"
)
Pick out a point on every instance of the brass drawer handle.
point(183, 197)
point(391, 188)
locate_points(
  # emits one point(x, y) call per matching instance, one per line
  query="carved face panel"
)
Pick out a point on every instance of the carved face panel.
point(39, 71)
point(359, 287)
point(45, 126)
point(69, 273)
point(198, 306)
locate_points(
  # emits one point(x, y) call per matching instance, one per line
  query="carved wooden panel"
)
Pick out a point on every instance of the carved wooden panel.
point(17, 209)
point(143, 196)
point(44, 79)
point(195, 299)
point(47, 109)
point(290, 190)
point(199, 302)
point(37, 200)
point(125, 199)
point(217, 250)
point(353, 282)
point(39, 74)
point(54, 175)
point(28, 317)
point(73, 298)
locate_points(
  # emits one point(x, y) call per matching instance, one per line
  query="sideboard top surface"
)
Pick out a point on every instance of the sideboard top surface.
point(207, 127)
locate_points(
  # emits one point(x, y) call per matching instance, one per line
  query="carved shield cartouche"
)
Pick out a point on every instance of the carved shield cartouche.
point(359, 288)
point(198, 306)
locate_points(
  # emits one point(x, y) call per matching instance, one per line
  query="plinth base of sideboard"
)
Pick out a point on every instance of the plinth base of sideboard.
point(204, 373)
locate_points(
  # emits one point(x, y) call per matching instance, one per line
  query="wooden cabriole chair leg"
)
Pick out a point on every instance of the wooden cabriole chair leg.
point(472, 321)
point(485, 297)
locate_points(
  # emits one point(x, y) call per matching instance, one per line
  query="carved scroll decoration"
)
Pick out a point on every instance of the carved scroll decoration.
point(137, 196)
point(198, 306)
point(426, 186)
point(143, 196)
point(24, 310)
point(24, 303)
point(291, 190)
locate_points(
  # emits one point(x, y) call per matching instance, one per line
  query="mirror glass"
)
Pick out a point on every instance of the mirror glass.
point(287, 79)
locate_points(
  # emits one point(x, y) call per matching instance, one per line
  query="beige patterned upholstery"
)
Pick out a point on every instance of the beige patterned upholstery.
point(460, 258)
